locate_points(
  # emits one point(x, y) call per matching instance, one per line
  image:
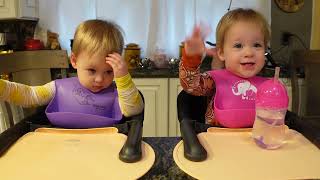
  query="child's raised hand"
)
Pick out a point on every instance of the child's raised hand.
point(118, 65)
point(194, 45)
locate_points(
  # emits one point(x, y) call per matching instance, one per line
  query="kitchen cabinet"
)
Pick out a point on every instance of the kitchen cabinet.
point(155, 92)
point(174, 90)
point(19, 9)
point(160, 95)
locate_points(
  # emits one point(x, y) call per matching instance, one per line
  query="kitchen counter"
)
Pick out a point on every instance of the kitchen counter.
point(164, 166)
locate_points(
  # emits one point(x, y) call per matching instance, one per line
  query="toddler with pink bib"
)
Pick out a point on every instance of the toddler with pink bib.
point(242, 36)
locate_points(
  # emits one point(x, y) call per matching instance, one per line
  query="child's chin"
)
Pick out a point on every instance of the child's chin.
point(96, 90)
point(247, 75)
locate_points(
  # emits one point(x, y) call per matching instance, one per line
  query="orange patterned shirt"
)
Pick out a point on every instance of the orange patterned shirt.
point(196, 83)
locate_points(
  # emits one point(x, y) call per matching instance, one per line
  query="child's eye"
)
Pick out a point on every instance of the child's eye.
point(92, 71)
point(109, 72)
point(238, 45)
point(257, 45)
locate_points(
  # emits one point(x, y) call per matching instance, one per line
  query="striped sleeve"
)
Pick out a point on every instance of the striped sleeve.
point(26, 96)
point(129, 98)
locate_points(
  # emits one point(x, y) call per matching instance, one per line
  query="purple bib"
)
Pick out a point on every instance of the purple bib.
point(234, 101)
point(74, 106)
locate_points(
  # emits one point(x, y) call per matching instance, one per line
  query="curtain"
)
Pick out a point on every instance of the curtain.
point(152, 24)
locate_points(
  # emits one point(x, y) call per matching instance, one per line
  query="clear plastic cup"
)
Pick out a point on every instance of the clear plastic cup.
point(271, 107)
point(269, 128)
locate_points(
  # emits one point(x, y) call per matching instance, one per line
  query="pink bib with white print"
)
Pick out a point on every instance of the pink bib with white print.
point(234, 101)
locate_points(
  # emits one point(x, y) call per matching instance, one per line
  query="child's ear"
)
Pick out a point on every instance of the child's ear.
point(220, 54)
point(73, 60)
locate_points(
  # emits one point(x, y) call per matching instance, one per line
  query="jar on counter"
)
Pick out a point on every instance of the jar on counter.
point(132, 55)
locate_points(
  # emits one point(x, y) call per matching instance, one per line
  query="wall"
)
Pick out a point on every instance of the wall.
point(298, 23)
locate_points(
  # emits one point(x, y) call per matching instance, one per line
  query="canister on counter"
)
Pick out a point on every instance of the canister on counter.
point(132, 55)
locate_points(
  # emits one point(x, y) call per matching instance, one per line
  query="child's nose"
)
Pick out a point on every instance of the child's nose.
point(248, 52)
point(98, 78)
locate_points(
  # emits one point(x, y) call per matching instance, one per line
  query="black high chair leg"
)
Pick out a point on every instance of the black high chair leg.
point(131, 150)
point(193, 150)
point(190, 108)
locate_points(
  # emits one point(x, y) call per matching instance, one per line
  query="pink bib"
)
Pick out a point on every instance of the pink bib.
point(234, 101)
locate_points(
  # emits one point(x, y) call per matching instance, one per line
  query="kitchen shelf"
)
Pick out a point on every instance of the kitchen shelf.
point(39, 59)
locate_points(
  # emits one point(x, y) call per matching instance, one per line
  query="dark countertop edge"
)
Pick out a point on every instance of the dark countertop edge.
point(165, 73)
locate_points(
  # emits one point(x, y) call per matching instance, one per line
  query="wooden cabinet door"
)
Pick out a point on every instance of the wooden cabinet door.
point(155, 92)
point(19, 9)
point(174, 90)
point(7, 9)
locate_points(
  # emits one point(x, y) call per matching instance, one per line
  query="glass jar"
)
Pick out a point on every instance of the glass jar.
point(132, 55)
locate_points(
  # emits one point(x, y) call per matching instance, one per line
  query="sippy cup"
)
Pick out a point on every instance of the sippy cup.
point(271, 106)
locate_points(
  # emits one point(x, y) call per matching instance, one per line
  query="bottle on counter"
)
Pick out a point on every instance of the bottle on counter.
point(4, 47)
point(269, 129)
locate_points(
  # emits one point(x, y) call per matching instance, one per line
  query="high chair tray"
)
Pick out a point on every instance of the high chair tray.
point(232, 154)
point(80, 154)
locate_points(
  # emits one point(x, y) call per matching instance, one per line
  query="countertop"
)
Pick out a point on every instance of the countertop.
point(164, 166)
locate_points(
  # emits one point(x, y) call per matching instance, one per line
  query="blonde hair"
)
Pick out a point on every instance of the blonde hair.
point(97, 36)
point(236, 15)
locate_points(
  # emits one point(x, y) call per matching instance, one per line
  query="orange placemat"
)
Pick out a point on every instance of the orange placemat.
point(232, 154)
point(56, 154)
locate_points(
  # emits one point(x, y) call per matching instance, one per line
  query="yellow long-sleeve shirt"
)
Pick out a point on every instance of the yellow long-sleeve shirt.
point(130, 100)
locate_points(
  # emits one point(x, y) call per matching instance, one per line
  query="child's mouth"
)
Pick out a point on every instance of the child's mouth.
point(97, 87)
point(247, 64)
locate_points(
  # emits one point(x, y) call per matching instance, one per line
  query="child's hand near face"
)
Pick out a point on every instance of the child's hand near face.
point(118, 65)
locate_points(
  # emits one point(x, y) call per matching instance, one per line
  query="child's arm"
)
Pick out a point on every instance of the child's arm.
point(26, 96)
point(191, 79)
point(129, 98)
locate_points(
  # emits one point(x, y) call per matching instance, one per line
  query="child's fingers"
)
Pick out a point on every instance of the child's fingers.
point(196, 33)
point(111, 62)
point(119, 67)
point(115, 56)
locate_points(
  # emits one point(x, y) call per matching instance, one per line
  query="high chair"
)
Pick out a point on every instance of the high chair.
point(130, 126)
point(191, 115)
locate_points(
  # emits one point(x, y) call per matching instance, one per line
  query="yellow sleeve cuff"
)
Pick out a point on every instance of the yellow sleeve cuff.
point(124, 82)
point(2, 86)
